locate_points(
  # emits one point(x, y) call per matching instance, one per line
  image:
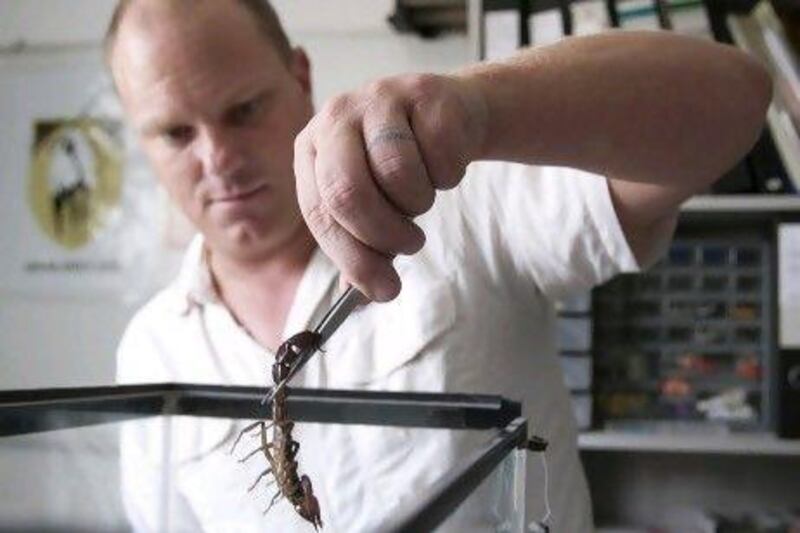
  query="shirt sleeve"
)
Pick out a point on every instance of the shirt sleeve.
point(552, 228)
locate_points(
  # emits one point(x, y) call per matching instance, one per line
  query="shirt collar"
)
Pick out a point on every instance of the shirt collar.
point(195, 284)
point(315, 293)
point(196, 288)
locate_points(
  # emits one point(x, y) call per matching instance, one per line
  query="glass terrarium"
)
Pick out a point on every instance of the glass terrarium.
point(157, 458)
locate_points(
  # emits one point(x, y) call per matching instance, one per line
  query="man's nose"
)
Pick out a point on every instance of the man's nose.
point(222, 156)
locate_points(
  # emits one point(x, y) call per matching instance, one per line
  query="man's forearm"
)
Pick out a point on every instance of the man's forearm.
point(660, 115)
point(651, 107)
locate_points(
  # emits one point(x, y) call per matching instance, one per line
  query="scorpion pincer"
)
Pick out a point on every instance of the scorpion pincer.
point(281, 451)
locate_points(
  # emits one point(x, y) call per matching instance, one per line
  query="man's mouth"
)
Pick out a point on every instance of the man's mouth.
point(239, 195)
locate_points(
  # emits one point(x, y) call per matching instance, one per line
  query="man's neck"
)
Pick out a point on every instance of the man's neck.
point(268, 269)
point(259, 293)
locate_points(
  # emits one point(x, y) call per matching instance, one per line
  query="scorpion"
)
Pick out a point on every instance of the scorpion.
point(281, 451)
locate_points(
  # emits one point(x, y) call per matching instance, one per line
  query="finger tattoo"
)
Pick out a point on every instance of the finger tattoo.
point(388, 135)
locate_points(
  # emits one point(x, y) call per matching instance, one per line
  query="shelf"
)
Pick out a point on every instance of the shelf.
point(755, 444)
point(752, 33)
point(738, 203)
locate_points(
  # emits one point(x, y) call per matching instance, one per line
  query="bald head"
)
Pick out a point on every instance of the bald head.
point(216, 108)
point(259, 11)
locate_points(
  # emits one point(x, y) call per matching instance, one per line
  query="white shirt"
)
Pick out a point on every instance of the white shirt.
point(475, 315)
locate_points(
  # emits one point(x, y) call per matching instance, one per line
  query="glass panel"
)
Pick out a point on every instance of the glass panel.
point(498, 504)
point(64, 480)
point(177, 473)
point(355, 472)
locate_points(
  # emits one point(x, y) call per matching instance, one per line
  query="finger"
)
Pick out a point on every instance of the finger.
point(395, 161)
point(442, 148)
point(367, 270)
point(351, 196)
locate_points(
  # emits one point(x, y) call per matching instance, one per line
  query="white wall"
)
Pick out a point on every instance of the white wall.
point(48, 341)
point(56, 341)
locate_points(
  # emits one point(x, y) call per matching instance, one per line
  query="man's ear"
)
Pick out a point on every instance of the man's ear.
point(300, 67)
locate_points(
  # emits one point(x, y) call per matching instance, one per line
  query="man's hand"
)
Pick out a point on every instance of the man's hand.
point(636, 107)
point(372, 160)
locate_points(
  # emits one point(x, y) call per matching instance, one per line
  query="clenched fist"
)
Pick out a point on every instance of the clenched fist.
point(371, 160)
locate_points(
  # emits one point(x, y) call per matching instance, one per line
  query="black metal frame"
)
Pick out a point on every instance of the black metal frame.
point(39, 410)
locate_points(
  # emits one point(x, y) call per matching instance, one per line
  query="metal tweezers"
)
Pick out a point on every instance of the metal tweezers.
point(337, 314)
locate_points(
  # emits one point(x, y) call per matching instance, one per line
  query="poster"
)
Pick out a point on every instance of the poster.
point(78, 215)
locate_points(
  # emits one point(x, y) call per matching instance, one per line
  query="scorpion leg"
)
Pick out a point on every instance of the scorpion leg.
point(245, 430)
point(265, 444)
point(251, 454)
point(275, 500)
point(260, 476)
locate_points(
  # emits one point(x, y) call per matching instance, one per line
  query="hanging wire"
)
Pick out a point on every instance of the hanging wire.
point(547, 510)
point(542, 525)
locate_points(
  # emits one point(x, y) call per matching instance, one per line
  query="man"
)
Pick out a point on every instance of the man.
point(222, 104)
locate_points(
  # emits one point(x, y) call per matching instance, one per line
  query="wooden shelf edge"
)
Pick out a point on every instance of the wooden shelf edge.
point(754, 444)
point(737, 203)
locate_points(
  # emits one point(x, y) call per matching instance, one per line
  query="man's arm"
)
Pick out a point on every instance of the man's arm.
point(660, 114)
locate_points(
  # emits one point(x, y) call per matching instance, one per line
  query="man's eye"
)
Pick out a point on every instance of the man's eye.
point(178, 135)
point(242, 113)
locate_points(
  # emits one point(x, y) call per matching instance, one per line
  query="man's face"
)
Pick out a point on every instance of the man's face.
point(217, 110)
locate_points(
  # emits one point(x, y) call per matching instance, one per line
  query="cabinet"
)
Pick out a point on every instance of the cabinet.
point(676, 483)
point(676, 480)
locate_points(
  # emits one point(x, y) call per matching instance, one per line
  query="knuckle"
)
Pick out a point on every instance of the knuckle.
point(449, 180)
point(320, 223)
point(341, 196)
point(399, 182)
point(360, 270)
point(450, 174)
point(425, 202)
point(301, 141)
point(369, 273)
point(448, 183)
point(322, 227)
point(378, 88)
point(423, 87)
point(386, 86)
point(338, 107)
point(390, 167)
point(379, 96)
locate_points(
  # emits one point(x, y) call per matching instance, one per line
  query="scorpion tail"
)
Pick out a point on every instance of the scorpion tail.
point(309, 507)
